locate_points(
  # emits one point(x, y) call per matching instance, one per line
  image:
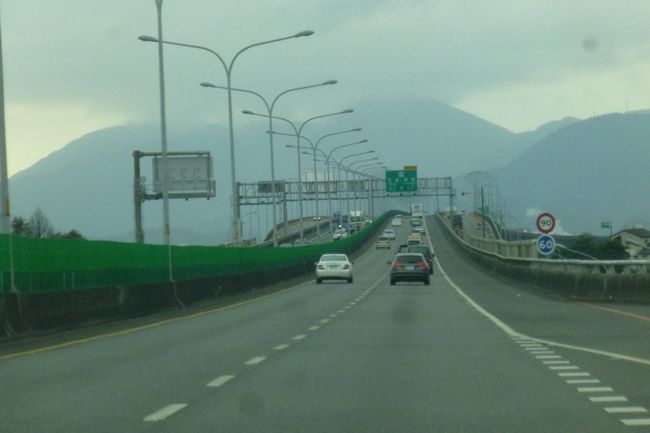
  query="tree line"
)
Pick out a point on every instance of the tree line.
point(38, 226)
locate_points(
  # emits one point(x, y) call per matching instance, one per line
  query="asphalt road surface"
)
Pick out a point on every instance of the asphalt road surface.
point(470, 353)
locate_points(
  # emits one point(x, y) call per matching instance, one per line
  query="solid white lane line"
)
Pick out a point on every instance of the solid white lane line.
point(636, 421)
point(299, 337)
point(255, 360)
point(556, 362)
point(576, 381)
point(324, 320)
point(313, 328)
point(626, 409)
point(596, 389)
point(548, 356)
point(574, 374)
point(164, 412)
point(281, 347)
point(221, 380)
point(564, 367)
point(608, 398)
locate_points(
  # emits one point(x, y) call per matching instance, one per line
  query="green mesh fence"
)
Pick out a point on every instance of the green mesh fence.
point(58, 265)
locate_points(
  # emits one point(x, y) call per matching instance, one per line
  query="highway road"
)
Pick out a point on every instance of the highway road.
point(470, 353)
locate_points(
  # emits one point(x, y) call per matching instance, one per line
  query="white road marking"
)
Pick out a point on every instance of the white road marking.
point(221, 380)
point(255, 360)
point(574, 374)
point(542, 352)
point(548, 356)
point(299, 337)
point(352, 303)
point(626, 409)
point(164, 412)
point(540, 347)
point(636, 421)
point(313, 328)
point(530, 345)
point(596, 389)
point(324, 320)
point(608, 398)
point(576, 381)
point(563, 367)
point(332, 316)
point(556, 362)
point(341, 311)
point(281, 347)
point(508, 330)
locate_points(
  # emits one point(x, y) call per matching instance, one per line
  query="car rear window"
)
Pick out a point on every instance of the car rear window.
point(409, 258)
point(333, 258)
point(422, 250)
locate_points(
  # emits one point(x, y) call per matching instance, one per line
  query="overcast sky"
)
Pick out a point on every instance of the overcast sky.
point(74, 66)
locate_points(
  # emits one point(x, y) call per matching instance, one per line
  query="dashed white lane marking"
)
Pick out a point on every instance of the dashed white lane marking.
point(608, 399)
point(324, 320)
point(164, 412)
point(555, 362)
point(548, 356)
point(531, 345)
point(574, 374)
point(341, 311)
point(636, 421)
point(281, 347)
point(221, 380)
point(542, 352)
point(299, 337)
point(332, 316)
point(564, 367)
point(595, 389)
point(626, 409)
point(313, 328)
point(536, 348)
point(583, 381)
point(352, 303)
point(255, 360)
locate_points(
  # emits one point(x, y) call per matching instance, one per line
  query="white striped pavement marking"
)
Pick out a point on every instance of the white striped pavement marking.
point(536, 348)
point(221, 380)
point(299, 337)
point(324, 320)
point(530, 345)
point(563, 367)
point(555, 362)
point(608, 399)
point(332, 316)
point(574, 374)
point(636, 421)
point(626, 409)
point(341, 311)
point(164, 412)
point(542, 352)
point(596, 389)
point(313, 328)
point(255, 360)
point(281, 347)
point(577, 381)
point(548, 356)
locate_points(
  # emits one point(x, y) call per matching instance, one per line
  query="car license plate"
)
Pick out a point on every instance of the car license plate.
point(333, 266)
point(410, 268)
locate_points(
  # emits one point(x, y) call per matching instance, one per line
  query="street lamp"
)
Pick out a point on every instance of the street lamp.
point(359, 186)
point(298, 135)
point(236, 223)
point(269, 109)
point(347, 171)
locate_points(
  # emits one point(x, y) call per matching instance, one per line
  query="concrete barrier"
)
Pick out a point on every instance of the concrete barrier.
point(600, 280)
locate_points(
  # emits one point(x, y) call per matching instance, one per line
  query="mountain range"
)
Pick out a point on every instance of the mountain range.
point(584, 170)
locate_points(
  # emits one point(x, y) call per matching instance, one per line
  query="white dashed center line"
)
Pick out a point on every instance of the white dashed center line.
point(542, 352)
point(255, 360)
point(548, 356)
point(324, 320)
point(596, 389)
point(313, 328)
point(221, 380)
point(626, 409)
point(577, 381)
point(574, 374)
point(636, 421)
point(164, 412)
point(299, 337)
point(555, 362)
point(281, 347)
point(607, 399)
point(563, 367)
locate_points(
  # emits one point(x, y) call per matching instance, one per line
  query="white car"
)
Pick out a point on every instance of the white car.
point(339, 234)
point(389, 234)
point(397, 222)
point(334, 267)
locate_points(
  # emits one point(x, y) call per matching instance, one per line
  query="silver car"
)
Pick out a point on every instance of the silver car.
point(334, 267)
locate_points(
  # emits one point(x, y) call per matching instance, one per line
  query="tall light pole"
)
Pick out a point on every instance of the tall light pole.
point(298, 135)
point(354, 178)
point(347, 170)
point(269, 109)
point(236, 219)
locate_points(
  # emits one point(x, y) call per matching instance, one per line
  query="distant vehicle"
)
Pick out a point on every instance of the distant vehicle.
point(339, 234)
point(334, 267)
point(382, 242)
point(357, 219)
point(426, 253)
point(415, 222)
point(397, 222)
point(419, 229)
point(389, 234)
point(417, 211)
point(409, 267)
point(414, 239)
point(402, 248)
point(458, 221)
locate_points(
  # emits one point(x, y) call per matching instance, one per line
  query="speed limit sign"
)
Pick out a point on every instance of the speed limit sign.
point(545, 223)
point(546, 244)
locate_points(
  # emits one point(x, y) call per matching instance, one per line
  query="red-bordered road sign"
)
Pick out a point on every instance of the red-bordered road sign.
point(545, 223)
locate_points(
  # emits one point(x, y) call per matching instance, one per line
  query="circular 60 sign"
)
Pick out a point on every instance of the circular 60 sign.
point(546, 244)
point(545, 223)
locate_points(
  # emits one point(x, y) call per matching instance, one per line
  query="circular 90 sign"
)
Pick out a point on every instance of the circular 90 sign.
point(545, 223)
point(546, 244)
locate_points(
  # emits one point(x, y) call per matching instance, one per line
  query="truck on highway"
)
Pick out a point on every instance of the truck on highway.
point(357, 219)
point(417, 211)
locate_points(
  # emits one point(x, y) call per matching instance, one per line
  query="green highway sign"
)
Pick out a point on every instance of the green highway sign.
point(605, 225)
point(401, 181)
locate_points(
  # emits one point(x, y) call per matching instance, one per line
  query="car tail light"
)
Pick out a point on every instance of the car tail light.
point(346, 266)
point(423, 265)
point(397, 265)
point(321, 267)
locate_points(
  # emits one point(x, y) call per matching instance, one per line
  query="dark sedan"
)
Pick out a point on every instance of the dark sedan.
point(409, 267)
point(425, 251)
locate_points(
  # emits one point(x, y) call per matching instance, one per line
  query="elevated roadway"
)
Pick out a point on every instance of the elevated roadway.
point(470, 353)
